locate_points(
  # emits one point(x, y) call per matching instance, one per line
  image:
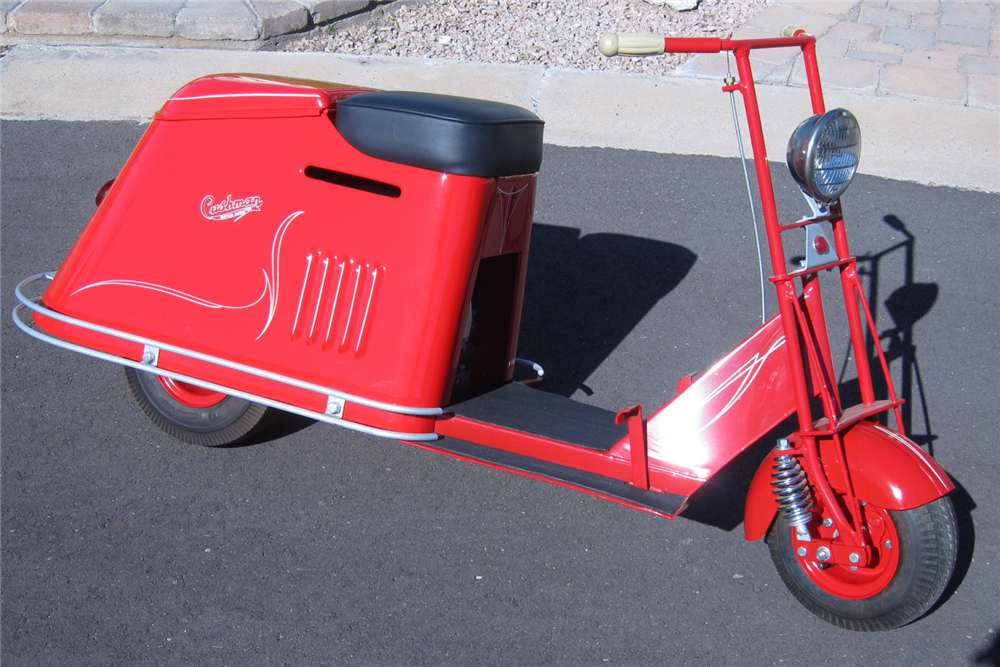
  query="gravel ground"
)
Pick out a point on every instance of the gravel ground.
point(560, 33)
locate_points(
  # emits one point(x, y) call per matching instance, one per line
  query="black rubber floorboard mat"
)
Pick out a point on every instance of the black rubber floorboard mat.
point(667, 504)
point(551, 416)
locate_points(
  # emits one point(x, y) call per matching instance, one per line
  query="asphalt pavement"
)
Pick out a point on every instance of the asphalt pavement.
point(123, 547)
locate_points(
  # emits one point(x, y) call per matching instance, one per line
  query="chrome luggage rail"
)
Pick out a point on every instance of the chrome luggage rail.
point(336, 400)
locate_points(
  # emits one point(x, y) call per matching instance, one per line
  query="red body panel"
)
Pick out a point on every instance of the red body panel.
point(723, 412)
point(229, 96)
point(215, 239)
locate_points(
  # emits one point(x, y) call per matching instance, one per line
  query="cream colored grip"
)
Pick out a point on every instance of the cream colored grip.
point(631, 44)
point(790, 30)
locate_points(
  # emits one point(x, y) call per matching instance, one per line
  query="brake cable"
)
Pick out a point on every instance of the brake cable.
point(730, 81)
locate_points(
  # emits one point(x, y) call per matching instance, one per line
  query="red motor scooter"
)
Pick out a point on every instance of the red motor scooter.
point(369, 273)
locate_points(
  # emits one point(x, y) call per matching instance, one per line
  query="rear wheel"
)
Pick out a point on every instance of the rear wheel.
point(197, 415)
point(913, 559)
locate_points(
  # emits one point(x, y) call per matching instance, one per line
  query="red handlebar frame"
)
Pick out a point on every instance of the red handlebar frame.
point(717, 45)
point(743, 47)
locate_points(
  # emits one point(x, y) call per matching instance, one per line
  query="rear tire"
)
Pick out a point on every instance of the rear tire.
point(909, 571)
point(195, 415)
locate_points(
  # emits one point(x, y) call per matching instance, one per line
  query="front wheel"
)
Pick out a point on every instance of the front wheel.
point(913, 559)
point(197, 415)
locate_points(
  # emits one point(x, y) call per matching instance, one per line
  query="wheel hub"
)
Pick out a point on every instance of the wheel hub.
point(843, 578)
point(191, 395)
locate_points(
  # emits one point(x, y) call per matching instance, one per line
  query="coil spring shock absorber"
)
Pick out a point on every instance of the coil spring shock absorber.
point(791, 490)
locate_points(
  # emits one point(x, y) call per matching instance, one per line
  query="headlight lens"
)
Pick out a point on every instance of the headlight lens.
point(823, 154)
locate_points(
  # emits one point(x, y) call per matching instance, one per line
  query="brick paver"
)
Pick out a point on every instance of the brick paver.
point(915, 82)
point(876, 52)
point(908, 38)
point(925, 22)
point(966, 14)
point(980, 65)
point(843, 74)
point(945, 60)
point(885, 17)
point(855, 32)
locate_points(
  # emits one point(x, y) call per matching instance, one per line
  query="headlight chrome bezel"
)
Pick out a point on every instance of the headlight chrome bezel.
point(823, 154)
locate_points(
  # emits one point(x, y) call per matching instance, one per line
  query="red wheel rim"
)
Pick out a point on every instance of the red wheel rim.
point(191, 395)
point(863, 582)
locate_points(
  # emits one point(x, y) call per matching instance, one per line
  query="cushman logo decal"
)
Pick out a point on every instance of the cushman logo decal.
point(229, 207)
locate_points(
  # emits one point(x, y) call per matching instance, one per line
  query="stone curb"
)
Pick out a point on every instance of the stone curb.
point(239, 24)
point(905, 139)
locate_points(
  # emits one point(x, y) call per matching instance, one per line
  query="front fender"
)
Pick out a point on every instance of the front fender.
point(886, 469)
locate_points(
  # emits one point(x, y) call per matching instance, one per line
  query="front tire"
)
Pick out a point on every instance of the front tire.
point(914, 557)
point(196, 415)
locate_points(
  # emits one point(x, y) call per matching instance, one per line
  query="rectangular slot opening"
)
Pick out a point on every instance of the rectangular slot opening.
point(482, 363)
point(353, 182)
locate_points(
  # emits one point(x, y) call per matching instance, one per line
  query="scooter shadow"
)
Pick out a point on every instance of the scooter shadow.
point(585, 294)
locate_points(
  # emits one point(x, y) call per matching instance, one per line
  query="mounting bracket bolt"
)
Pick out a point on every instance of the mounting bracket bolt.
point(334, 406)
point(150, 355)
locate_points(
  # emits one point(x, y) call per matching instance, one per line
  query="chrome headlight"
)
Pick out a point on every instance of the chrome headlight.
point(823, 154)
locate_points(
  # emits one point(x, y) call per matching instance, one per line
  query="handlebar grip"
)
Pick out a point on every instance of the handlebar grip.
point(792, 30)
point(631, 44)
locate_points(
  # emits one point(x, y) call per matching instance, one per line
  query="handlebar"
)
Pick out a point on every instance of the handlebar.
point(653, 44)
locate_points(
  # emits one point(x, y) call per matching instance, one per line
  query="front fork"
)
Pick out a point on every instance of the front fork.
point(828, 526)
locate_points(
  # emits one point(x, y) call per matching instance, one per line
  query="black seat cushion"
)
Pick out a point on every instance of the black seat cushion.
point(455, 135)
